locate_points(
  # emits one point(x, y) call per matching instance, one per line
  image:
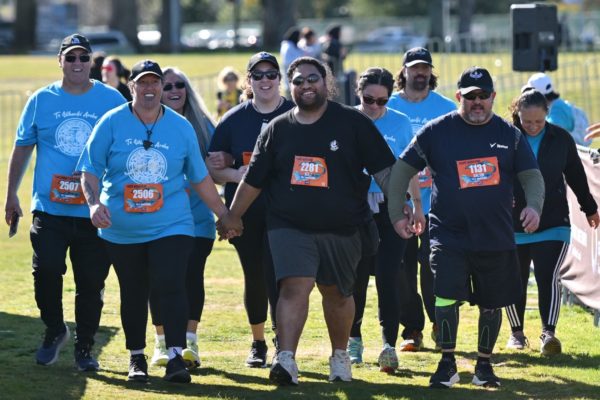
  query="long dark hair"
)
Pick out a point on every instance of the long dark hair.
point(401, 80)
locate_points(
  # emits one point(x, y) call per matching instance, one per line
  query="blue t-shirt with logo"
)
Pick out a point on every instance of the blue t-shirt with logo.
point(561, 114)
point(115, 152)
point(419, 114)
point(58, 124)
point(473, 169)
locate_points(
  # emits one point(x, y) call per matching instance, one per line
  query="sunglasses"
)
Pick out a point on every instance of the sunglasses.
point(258, 75)
point(481, 95)
point(108, 68)
point(381, 101)
point(312, 78)
point(169, 86)
point(71, 58)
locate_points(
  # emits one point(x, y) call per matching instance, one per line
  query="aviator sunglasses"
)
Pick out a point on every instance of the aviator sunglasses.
point(481, 95)
point(71, 58)
point(169, 86)
point(258, 75)
point(381, 101)
point(312, 78)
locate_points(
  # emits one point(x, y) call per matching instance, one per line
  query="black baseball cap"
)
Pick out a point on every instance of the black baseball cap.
point(145, 67)
point(263, 56)
point(74, 41)
point(474, 78)
point(417, 55)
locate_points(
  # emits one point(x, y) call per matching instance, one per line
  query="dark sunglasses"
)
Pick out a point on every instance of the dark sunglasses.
point(258, 75)
point(169, 86)
point(71, 58)
point(312, 78)
point(481, 95)
point(381, 101)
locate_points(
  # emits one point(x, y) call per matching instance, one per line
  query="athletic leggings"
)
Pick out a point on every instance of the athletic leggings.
point(160, 267)
point(194, 282)
point(547, 259)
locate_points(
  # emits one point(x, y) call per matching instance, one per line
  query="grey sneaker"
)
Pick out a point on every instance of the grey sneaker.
point(517, 341)
point(340, 368)
point(550, 345)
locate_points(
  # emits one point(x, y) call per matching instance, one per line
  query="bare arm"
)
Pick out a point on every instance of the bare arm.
point(99, 214)
point(227, 174)
point(209, 195)
point(16, 169)
point(232, 221)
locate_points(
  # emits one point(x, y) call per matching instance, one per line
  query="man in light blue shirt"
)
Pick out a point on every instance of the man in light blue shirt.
point(418, 100)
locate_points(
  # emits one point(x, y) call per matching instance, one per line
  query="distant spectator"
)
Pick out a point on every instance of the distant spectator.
point(333, 50)
point(289, 52)
point(96, 68)
point(229, 93)
point(114, 74)
point(309, 43)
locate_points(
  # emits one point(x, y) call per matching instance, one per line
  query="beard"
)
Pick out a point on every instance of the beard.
point(476, 118)
point(311, 105)
point(419, 85)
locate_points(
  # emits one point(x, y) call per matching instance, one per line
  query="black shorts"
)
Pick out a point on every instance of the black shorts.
point(331, 258)
point(489, 279)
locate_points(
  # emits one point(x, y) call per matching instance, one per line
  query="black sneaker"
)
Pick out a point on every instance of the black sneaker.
point(83, 358)
point(445, 376)
point(138, 368)
point(177, 371)
point(484, 375)
point(258, 355)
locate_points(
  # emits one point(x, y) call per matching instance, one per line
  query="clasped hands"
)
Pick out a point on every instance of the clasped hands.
point(229, 226)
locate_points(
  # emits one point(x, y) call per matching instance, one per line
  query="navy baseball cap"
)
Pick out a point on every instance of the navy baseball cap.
point(145, 67)
point(474, 78)
point(74, 41)
point(263, 56)
point(417, 55)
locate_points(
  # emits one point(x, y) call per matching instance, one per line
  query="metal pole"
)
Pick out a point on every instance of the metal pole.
point(236, 23)
point(175, 15)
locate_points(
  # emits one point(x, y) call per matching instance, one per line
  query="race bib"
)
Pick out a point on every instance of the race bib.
point(309, 171)
point(246, 156)
point(478, 172)
point(143, 197)
point(425, 179)
point(66, 189)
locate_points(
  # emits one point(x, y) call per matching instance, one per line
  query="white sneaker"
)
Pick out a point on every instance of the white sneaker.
point(388, 359)
point(284, 370)
point(340, 367)
point(160, 358)
point(190, 354)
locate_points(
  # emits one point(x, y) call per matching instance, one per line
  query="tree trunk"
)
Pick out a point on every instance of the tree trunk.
point(24, 28)
point(436, 27)
point(170, 26)
point(124, 18)
point(465, 16)
point(278, 16)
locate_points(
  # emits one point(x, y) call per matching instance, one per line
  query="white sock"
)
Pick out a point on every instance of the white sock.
point(339, 351)
point(136, 352)
point(173, 351)
point(160, 338)
point(191, 336)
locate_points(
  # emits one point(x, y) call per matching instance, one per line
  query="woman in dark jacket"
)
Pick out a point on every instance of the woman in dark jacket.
point(559, 162)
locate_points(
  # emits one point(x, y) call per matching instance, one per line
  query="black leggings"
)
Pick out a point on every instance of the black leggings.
point(194, 282)
point(158, 266)
point(547, 259)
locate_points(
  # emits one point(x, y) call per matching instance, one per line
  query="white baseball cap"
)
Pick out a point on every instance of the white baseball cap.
point(541, 82)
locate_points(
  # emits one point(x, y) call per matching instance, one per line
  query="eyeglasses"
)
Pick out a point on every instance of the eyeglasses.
point(258, 75)
point(169, 86)
point(71, 58)
point(381, 101)
point(312, 78)
point(472, 96)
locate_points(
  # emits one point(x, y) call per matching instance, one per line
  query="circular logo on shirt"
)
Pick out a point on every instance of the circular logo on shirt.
point(71, 136)
point(146, 166)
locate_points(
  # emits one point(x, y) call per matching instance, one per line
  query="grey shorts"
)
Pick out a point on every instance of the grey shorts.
point(330, 258)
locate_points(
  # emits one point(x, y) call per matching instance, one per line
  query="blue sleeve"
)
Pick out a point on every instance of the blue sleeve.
point(561, 114)
point(194, 168)
point(27, 130)
point(93, 159)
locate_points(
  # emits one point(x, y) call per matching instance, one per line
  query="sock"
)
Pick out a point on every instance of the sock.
point(174, 351)
point(489, 327)
point(339, 351)
point(448, 355)
point(447, 321)
point(136, 352)
point(159, 338)
point(191, 336)
point(484, 360)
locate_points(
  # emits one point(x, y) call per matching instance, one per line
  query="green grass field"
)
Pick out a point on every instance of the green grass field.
point(224, 333)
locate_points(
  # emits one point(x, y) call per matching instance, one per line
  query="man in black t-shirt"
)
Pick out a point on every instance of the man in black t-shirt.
point(310, 162)
point(474, 157)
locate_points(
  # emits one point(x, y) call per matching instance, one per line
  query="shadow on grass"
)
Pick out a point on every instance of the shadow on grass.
point(21, 377)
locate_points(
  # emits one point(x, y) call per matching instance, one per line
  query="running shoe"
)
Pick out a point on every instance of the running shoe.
point(190, 354)
point(413, 342)
point(47, 354)
point(258, 355)
point(83, 358)
point(138, 368)
point(484, 375)
point(549, 344)
point(160, 358)
point(355, 350)
point(176, 371)
point(445, 376)
point(284, 370)
point(340, 367)
point(388, 359)
point(517, 341)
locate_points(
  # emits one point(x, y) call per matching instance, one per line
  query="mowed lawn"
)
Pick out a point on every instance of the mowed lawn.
point(224, 333)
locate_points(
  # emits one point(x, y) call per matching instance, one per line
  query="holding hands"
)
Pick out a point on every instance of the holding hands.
point(229, 226)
